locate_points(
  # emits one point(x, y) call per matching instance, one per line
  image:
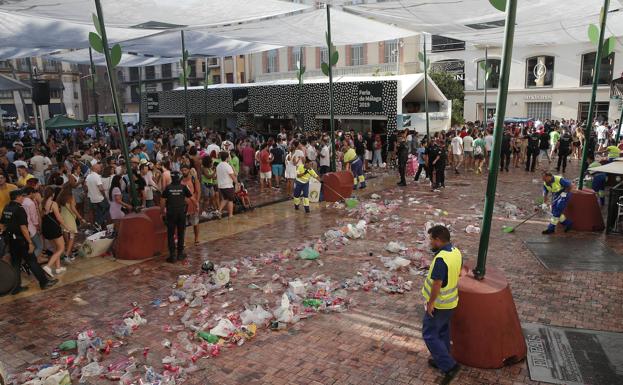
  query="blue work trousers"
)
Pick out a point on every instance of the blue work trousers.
point(436, 334)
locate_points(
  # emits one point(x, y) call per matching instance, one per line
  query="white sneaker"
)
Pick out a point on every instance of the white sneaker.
point(48, 271)
point(61, 270)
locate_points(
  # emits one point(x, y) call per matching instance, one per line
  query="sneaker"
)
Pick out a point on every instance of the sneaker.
point(48, 271)
point(49, 284)
point(60, 270)
point(547, 231)
point(307, 209)
point(296, 207)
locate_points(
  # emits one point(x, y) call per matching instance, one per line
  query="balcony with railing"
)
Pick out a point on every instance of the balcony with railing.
point(360, 70)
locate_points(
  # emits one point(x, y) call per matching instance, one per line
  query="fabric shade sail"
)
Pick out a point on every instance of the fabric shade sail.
point(539, 22)
point(153, 14)
point(198, 43)
point(19, 31)
point(308, 29)
point(127, 60)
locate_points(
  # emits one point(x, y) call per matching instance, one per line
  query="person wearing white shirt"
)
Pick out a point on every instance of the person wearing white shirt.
point(213, 147)
point(488, 143)
point(602, 136)
point(312, 154)
point(325, 157)
point(468, 151)
point(226, 180)
point(95, 192)
point(39, 164)
point(178, 140)
point(457, 151)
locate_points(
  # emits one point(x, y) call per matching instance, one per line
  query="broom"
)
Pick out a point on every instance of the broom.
point(351, 203)
point(510, 229)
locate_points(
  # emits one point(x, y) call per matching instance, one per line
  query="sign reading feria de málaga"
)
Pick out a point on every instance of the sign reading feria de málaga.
point(370, 97)
point(153, 103)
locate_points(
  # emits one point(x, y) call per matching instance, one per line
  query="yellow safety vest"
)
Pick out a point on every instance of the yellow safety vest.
point(448, 297)
point(350, 156)
point(555, 187)
point(305, 178)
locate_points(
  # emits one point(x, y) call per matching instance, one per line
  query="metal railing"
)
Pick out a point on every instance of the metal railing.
point(362, 70)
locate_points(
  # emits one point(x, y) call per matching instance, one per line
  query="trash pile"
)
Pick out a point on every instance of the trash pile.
point(79, 359)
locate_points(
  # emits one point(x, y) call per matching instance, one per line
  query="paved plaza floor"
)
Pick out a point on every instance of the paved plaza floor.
point(376, 341)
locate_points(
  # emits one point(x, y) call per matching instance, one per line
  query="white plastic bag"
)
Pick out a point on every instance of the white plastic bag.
point(297, 286)
point(257, 316)
point(395, 247)
point(221, 278)
point(91, 370)
point(284, 312)
point(224, 328)
point(397, 263)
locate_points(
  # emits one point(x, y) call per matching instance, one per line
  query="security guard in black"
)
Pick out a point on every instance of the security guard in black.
point(174, 201)
point(15, 225)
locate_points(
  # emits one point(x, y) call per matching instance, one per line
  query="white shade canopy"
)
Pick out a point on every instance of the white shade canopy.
point(153, 14)
point(308, 29)
point(127, 60)
point(21, 31)
point(198, 43)
point(539, 22)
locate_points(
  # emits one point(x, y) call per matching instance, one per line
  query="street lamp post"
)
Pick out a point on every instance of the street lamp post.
point(494, 162)
point(330, 63)
point(591, 108)
point(426, 91)
point(115, 102)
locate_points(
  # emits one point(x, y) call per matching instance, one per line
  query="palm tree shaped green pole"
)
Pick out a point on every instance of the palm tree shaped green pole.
point(185, 71)
point(92, 82)
point(327, 69)
point(593, 32)
point(507, 52)
point(99, 42)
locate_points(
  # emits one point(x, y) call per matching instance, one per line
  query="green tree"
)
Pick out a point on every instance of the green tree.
point(453, 90)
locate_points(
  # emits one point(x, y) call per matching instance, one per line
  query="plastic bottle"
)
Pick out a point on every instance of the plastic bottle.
point(312, 302)
point(211, 338)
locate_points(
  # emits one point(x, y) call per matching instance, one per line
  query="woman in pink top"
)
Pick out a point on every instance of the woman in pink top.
point(248, 159)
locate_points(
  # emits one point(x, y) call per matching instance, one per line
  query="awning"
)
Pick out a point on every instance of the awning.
point(610, 168)
point(127, 60)
point(9, 110)
point(60, 121)
point(539, 22)
point(10, 84)
point(56, 109)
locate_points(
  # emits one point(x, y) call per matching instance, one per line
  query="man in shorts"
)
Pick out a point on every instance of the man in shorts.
point(468, 151)
point(278, 164)
point(265, 158)
point(226, 180)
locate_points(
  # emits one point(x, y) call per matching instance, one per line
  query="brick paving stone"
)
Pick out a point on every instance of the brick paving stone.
point(378, 341)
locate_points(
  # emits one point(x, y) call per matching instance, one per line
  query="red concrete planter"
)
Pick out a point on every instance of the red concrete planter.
point(584, 211)
point(160, 230)
point(485, 327)
point(337, 185)
point(136, 238)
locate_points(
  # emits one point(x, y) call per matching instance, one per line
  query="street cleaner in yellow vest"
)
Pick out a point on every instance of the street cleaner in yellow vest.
point(560, 188)
point(301, 187)
point(442, 297)
point(354, 164)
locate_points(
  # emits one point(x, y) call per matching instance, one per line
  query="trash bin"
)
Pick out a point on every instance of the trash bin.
point(616, 192)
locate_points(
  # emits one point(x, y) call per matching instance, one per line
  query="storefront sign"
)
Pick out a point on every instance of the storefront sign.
point(370, 97)
point(240, 99)
point(153, 103)
point(538, 97)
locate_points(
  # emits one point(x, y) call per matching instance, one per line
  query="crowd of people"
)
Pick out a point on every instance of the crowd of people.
point(78, 177)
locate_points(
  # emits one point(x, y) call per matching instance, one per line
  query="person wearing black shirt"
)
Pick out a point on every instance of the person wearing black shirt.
point(544, 145)
point(432, 153)
point(533, 150)
point(506, 151)
point(564, 149)
point(369, 139)
point(14, 224)
point(440, 166)
point(360, 147)
point(173, 204)
point(403, 157)
point(278, 163)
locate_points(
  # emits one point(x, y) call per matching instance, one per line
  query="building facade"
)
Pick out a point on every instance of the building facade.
point(65, 90)
point(166, 77)
point(382, 58)
point(548, 82)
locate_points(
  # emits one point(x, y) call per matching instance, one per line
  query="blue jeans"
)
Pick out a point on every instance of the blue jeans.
point(38, 242)
point(100, 211)
point(436, 334)
point(378, 158)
